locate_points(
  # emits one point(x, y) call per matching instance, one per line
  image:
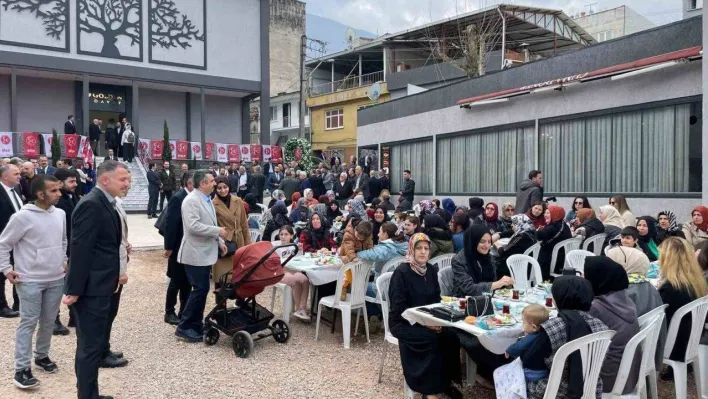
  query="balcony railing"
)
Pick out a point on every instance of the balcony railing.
point(351, 82)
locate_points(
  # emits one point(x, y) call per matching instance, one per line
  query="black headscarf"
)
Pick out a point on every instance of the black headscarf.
point(436, 228)
point(404, 205)
point(317, 234)
point(651, 224)
point(280, 214)
point(476, 207)
point(376, 225)
point(227, 199)
point(252, 202)
point(333, 214)
point(605, 275)
point(443, 214)
point(648, 242)
point(573, 293)
point(478, 266)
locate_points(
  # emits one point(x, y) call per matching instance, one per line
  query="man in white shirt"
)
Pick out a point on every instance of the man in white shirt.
point(10, 203)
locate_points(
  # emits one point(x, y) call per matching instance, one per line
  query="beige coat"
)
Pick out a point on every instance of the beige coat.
point(693, 234)
point(235, 220)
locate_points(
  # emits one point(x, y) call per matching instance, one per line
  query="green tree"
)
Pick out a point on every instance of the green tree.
point(56, 149)
point(166, 150)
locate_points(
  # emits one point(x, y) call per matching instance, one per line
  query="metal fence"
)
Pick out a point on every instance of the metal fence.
point(348, 83)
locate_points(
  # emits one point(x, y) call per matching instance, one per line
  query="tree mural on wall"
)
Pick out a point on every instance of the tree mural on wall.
point(53, 13)
point(169, 27)
point(111, 19)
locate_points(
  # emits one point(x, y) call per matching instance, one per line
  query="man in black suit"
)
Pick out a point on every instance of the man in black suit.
point(112, 139)
point(179, 283)
point(258, 181)
point(168, 182)
point(44, 167)
point(408, 191)
point(10, 202)
point(153, 190)
point(275, 179)
point(240, 182)
point(70, 125)
point(94, 136)
point(94, 270)
point(374, 186)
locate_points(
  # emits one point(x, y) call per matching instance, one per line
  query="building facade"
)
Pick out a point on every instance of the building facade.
point(595, 121)
point(613, 23)
point(96, 60)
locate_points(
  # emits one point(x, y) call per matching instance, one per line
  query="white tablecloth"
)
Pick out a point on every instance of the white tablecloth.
point(317, 274)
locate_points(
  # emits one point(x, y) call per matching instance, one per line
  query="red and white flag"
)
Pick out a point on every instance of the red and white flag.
point(5, 144)
point(256, 152)
point(277, 153)
point(71, 145)
point(182, 150)
point(221, 153)
point(156, 149)
point(209, 150)
point(144, 148)
point(30, 141)
point(86, 151)
point(173, 148)
point(196, 150)
point(245, 152)
point(47, 144)
point(234, 152)
point(267, 154)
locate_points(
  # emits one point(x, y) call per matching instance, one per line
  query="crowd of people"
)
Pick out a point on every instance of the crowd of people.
point(210, 214)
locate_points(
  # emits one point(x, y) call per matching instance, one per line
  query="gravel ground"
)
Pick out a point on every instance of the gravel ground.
point(163, 367)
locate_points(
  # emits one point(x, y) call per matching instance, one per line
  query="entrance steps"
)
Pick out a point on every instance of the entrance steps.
point(137, 199)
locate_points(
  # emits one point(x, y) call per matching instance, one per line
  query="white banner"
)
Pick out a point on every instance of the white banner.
point(5, 144)
point(267, 153)
point(173, 148)
point(47, 144)
point(196, 150)
point(245, 152)
point(144, 148)
point(222, 155)
point(82, 143)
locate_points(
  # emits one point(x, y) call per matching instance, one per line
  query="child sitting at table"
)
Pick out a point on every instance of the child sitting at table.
point(533, 316)
point(357, 237)
point(298, 282)
point(628, 237)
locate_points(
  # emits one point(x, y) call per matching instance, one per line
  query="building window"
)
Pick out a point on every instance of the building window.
point(286, 115)
point(603, 36)
point(695, 4)
point(416, 157)
point(274, 113)
point(334, 119)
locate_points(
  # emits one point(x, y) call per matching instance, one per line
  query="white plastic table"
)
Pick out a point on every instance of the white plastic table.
point(318, 274)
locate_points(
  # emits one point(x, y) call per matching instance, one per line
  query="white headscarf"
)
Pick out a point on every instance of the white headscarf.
point(612, 216)
point(632, 260)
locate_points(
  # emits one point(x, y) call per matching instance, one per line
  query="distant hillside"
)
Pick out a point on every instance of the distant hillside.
point(330, 31)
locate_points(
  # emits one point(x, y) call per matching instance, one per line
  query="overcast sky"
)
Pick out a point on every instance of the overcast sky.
point(389, 16)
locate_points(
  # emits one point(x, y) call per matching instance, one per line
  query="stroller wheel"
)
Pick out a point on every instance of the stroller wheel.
point(242, 344)
point(211, 336)
point(281, 331)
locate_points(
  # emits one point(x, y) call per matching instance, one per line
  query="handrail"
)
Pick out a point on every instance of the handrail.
point(350, 82)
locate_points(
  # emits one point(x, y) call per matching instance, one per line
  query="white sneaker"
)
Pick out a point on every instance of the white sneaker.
point(300, 314)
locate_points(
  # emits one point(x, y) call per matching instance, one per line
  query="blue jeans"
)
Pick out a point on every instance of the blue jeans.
point(152, 202)
point(193, 315)
point(372, 309)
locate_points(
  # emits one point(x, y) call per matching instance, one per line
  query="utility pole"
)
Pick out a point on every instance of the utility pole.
point(303, 82)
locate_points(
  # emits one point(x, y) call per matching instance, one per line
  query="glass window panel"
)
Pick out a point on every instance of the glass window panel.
point(572, 156)
point(549, 153)
point(488, 162)
point(657, 155)
point(505, 169)
point(598, 155)
point(626, 153)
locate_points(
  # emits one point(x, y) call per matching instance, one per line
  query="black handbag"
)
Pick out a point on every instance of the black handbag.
point(231, 248)
point(480, 305)
point(447, 314)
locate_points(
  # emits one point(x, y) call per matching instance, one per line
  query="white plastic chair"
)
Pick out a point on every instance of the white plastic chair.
point(703, 365)
point(287, 304)
point(519, 268)
point(442, 261)
point(596, 241)
point(416, 209)
point(274, 236)
point(382, 284)
point(255, 216)
point(389, 266)
point(263, 207)
point(593, 348)
point(648, 332)
point(697, 310)
point(650, 372)
point(355, 300)
point(255, 235)
point(576, 259)
point(445, 281)
point(568, 245)
point(533, 250)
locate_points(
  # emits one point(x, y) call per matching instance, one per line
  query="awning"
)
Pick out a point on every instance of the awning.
point(616, 72)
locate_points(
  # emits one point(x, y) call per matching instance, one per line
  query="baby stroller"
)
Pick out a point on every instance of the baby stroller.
point(255, 267)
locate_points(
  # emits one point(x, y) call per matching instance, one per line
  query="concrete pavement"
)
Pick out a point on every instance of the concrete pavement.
point(142, 233)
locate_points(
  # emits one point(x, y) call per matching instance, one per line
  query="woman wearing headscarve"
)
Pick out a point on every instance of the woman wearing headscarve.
point(447, 217)
point(440, 235)
point(430, 356)
point(537, 214)
point(616, 310)
point(357, 209)
point(310, 197)
point(490, 219)
point(645, 297)
point(579, 203)
point(588, 225)
point(448, 205)
point(277, 195)
point(294, 200)
point(555, 231)
point(386, 200)
point(647, 237)
point(333, 211)
point(403, 205)
point(612, 221)
point(507, 212)
point(523, 238)
point(476, 207)
point(426, 207)
point(620, 203)
point(573, 297)
point(231, 215)
point(473, 273)
point(301, 213)
point(315, 236)
point(696, 231)
point(667, 226)
point(278, 219)
point(380, 217)
point(252, 207)
point(321, 209)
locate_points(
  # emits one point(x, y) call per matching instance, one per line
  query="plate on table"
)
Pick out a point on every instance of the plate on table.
point(503, 320)
point(326, 261)
point(449, 300)
point(505, 292)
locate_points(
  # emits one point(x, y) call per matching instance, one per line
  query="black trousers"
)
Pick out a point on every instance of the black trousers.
point(179, 285)
point(128, 152)
point(164, 194)
point(152, 202)
point(92, 315)
point(3, 298)
point(94, 147)
point(112, 313)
